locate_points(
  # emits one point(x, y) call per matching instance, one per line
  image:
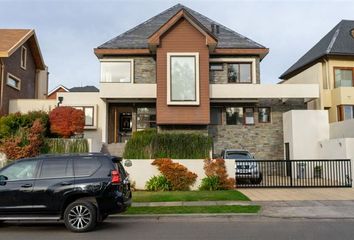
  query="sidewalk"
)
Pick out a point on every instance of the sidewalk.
point(319, 209)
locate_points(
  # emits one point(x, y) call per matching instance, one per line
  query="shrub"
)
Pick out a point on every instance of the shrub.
point(217, 168)
point(158, 183)
point(12, 123)
point(66, 121)
point(139, 145)
point(150, 144)
point(27, 143)
point(209, 183)
point(178, 175)
point(61, 145)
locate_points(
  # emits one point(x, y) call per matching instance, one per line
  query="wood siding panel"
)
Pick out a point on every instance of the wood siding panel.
point(27, 76)
point(183, 37)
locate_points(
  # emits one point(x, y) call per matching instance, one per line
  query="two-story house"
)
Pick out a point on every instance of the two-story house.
point(23, 74)
point(330, 63)
point(181, 71)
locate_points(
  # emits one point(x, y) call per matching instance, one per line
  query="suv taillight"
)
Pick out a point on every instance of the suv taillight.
point(115, 176)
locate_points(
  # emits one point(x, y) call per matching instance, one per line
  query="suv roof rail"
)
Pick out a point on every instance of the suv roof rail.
point(73, 154)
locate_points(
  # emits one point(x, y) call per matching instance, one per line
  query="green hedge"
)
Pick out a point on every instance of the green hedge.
point(66, 145)
point(149, 144)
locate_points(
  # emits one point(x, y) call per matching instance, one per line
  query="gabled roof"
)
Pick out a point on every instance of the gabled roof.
point(57, 88)
point(338, 41)
point(84, 89)
point(12, 39)
point(137, 37)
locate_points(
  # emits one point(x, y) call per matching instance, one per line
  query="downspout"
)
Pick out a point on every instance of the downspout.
point(2, 79)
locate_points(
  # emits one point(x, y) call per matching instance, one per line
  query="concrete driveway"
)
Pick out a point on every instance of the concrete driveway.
point(298, 194)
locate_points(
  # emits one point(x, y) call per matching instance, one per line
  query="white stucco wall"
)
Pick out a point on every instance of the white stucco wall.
point(27, 105)
point(142, 170)
point(344, 129)
point(303, 129)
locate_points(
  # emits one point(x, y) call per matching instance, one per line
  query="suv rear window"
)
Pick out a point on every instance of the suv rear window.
point(86, 166)
point(55, 168)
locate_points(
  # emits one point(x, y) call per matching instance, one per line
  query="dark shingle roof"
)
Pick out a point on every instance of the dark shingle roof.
point(338, 41)
point(136, 38)
point(84, 89)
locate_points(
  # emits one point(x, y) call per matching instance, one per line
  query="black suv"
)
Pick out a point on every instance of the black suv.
point(81, 189)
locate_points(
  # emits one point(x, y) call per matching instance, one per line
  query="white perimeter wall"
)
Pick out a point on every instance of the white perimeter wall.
point(344, 129)
point(142, 170)
point(303, 129)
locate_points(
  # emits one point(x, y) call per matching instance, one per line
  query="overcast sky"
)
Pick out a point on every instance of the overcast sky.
point(69, 30)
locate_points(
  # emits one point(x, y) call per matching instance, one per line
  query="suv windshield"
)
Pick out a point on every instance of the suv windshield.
point(238, 155)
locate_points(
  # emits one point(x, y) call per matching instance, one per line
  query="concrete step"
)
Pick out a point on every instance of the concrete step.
point(116, 149)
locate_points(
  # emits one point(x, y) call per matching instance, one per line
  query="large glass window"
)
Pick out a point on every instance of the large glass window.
point(20, 170)
point(183, 78)
point(216, 115)
point(234, 115)
point(146, 118)
point(343, 77)
point(239, 73)
point(120, 71)
point(264, 114)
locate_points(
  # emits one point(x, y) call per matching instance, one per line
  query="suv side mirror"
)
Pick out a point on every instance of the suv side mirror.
point(3, 179)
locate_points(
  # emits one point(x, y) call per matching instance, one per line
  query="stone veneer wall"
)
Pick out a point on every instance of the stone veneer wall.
point(263, 140)
point(144, 70)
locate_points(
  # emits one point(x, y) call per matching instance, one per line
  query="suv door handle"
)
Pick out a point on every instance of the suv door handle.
point(28, 185)
point(65, 183)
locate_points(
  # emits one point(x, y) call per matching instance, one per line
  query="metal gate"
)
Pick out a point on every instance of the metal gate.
point(293, 173)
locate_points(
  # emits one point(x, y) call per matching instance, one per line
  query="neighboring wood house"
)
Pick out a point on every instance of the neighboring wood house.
point(54, 92)
point(23, 74)
point(330, 63)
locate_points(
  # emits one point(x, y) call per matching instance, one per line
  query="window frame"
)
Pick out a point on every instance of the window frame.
point(239, 72)
point(18, 80)
point(113, 60)
point(244, 116)
point(340, 112)
point(342, 68)
point(23, 58)
point(138, 114)
point(169, 78)
point(243, 120)
point(94, 121)
point(270, 115)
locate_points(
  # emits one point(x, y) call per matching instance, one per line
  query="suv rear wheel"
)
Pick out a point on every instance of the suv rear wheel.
point(80, 216)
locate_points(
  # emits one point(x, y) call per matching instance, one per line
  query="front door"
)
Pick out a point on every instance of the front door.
point(16, 191)
point(125, 126)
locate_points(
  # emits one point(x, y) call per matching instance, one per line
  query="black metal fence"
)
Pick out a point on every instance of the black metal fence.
point(293, 173)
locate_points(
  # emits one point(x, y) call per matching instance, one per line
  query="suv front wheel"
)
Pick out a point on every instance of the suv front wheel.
point(80, 216)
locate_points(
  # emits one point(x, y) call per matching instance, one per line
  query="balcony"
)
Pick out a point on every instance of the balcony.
point(115, 90)
point(254, 91)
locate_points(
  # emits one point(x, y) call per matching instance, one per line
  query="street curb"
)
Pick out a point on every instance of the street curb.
point(191, 215)
point(193, 203)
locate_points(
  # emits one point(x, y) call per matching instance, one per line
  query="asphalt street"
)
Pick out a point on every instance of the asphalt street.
point(203, 228)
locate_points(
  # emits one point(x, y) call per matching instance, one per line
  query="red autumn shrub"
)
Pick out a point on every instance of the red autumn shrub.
point(178, 175)
point(217, 168)
point(66, 121)
point(26, 145)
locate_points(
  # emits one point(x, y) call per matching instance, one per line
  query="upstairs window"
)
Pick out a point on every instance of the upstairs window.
point(344, 77)
point(13, 81)
point(214, 70)
point(118, 71)
point(345, 112)
point(234, 115)
point(239, 73)
point(183, 78)
point(23, 57)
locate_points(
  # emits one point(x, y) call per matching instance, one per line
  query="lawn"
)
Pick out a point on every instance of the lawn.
point(193, 209)
point(176, 196)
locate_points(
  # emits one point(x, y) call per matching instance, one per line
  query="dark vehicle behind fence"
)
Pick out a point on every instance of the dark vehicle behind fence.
point(246, 167)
